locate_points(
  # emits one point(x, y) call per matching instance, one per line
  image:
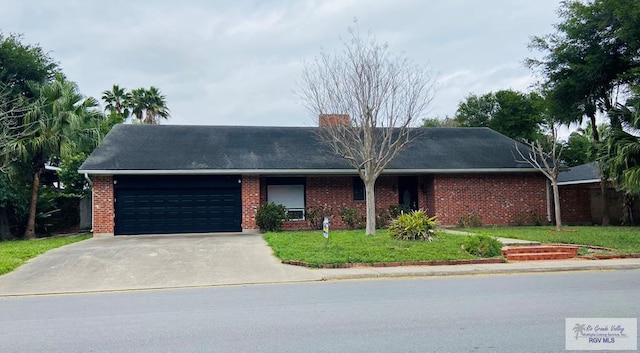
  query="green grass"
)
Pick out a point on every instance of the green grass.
point(15, 253)
point(355, 247)
point(624, 239)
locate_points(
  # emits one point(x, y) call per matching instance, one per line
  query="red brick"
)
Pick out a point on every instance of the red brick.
point(575, 203)
point(496, 198)
point(103, 207)
point(250, 200)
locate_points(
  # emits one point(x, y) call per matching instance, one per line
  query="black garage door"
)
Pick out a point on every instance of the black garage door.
point(177, 204)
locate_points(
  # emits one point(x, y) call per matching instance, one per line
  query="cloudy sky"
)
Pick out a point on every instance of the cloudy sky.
point(238, 62)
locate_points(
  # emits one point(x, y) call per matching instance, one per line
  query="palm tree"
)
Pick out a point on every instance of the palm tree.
point(620, 156)
point(148, 105)
point(621, 153)
point(118, 101)
point(61, 122)
point(155, 105)
point(137, 103)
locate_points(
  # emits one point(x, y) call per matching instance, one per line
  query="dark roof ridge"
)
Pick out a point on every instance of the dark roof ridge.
point(211, 148)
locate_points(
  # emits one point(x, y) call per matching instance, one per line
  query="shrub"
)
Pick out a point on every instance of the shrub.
point(74, 182)
point(413, 226)
point(351, 218)
point(270, 216)
point(315, 216)
point(397, 210)
point(66, 213)
point(528, 217)
point(482, 245)
point(470, 220)
point(382, 219)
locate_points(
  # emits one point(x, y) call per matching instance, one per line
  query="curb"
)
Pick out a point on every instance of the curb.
point(447, 262)
point(396, 264)
point(609, 257)
point(372, 273)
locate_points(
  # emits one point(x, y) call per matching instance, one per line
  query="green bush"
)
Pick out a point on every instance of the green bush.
point(351, 218)
point(397, 210)
point(270, 216)
point(57, 212)
point(315, 216)
point(413, 226)
point(74, 182)
point(528, 218)
point(382, 219)
point(482, 245)
point(470, 220)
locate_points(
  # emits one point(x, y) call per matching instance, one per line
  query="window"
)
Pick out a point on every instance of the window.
point(358, 189)
point(291, 196)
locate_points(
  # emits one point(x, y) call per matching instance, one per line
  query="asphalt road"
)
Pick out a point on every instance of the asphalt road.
point(514, 313)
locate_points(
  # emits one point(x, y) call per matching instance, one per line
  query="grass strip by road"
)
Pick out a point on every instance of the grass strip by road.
point(353, 246)
point(15, 253)
point(624, 240)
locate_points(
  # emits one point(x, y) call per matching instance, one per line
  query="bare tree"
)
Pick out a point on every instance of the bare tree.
point(549, 164)
point(382, 96)
point(11, 127)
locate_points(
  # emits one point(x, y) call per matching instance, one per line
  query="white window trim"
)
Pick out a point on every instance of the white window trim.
point(288, 196)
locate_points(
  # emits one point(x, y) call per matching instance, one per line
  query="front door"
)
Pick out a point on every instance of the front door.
point(408, 191)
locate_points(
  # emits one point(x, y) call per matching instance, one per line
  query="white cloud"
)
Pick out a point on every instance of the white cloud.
point(221, 62)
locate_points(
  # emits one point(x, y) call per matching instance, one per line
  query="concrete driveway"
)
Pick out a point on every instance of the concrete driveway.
point(145, 262)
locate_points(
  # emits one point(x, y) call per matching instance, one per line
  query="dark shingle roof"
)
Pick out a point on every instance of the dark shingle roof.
point(585, 173)
point(220, 149)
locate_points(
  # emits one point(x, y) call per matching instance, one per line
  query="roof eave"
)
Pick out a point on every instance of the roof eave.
point(576, 182)
point(298, 171)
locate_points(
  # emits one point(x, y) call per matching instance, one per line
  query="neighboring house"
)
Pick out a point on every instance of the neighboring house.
point(194, 179)
point(579, 194)
point(580, 197)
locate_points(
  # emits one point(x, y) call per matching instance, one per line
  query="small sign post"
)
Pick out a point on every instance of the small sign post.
point(325, 230)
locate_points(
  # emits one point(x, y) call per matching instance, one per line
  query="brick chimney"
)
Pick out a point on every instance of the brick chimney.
point(334, 120)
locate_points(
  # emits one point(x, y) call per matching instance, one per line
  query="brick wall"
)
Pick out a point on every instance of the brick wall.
point(251, 191)
point(497, 198)
point(103, 207)
point(335, 193)
point(426, 195)
point(575, 203)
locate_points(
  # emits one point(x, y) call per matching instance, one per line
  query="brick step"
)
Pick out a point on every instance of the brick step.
point(539, 256)
point(539, 249)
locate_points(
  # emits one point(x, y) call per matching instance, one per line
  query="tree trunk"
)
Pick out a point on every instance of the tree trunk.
point(30, 233)
point(369, 187)
point(556, 205)
point(603, 181)
point(594, 128)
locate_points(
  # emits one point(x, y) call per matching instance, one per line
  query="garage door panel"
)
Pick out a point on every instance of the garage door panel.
point(141, 209)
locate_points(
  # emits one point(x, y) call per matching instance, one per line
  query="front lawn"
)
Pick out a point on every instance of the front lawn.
point(15, 253)
point(353, 246)
point(624, 239)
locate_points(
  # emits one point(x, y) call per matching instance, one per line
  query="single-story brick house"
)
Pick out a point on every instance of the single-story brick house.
point(581, 200)
point(196, 179)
